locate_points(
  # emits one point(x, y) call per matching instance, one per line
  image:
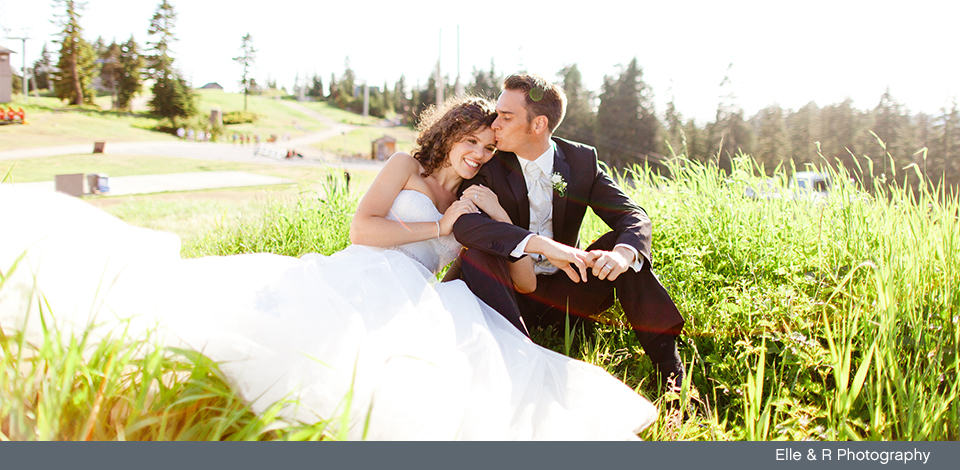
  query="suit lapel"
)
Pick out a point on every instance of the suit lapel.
point(560, 202)
point(519, 187)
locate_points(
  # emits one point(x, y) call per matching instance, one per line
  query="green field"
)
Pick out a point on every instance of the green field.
point(274, 117)
point(808, 319)
point(358, 141)
point(52, 123)
point(819, 319)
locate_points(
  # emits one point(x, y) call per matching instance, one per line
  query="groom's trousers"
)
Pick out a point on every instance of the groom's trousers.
point(646, 304)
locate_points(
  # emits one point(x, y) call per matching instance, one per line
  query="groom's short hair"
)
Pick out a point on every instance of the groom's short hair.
point(542, 97)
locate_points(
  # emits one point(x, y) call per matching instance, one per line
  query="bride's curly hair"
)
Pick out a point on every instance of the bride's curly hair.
point(442, 126)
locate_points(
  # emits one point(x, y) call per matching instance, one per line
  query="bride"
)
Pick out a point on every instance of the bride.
point(419, 359)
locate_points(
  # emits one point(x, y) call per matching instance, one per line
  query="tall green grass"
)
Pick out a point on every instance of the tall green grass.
point(819, 318)
point(316, 222)
point(807, 318)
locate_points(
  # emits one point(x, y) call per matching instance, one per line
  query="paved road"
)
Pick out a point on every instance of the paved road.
point(143, 184)
point(267, 153)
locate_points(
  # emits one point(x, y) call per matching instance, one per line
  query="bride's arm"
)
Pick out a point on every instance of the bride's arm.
point(521, 272)
point(371, 227)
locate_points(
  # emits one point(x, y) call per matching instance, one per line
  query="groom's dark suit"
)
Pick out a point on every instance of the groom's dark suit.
point(645, 302)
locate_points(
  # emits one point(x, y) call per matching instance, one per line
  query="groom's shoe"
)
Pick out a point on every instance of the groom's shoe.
point(669, 376)
point(667, 364)
point(677, 402)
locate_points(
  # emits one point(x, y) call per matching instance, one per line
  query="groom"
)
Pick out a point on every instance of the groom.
point(545, 184)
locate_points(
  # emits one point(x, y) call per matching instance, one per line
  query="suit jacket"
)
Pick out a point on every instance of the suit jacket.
point(587, 186)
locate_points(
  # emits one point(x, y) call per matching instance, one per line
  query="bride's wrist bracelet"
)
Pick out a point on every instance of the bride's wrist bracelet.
point(438, 230)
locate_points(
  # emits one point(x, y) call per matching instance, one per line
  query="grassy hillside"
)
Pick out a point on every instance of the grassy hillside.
point(357, 142)
point(50, 122)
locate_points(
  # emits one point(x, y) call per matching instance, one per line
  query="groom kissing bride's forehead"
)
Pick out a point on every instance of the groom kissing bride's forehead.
point(545, 184)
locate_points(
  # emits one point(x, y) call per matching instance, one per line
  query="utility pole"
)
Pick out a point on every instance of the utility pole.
point(366, 99)
point(439, 75)
point(458, 88)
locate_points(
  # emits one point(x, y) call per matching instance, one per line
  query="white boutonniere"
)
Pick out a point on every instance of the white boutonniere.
point(559, 185)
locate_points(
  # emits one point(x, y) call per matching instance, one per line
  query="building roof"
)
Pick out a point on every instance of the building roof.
point(4, 50)
point(212, 86)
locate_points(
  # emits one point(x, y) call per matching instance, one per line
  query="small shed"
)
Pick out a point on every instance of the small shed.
point(6, 75)
point(383, 148)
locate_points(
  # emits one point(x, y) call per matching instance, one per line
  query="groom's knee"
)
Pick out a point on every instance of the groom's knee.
point(606, 242)
point(478, 263)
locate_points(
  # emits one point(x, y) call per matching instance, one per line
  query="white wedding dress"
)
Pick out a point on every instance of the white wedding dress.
point(422, 359)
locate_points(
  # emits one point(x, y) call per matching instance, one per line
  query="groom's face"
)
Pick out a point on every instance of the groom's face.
point(512, 127)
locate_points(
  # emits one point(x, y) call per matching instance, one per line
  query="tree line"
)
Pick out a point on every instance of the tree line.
point(123, 68)
point(619, 119)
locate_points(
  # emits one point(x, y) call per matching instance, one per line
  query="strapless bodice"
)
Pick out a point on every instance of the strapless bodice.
point(414, 206)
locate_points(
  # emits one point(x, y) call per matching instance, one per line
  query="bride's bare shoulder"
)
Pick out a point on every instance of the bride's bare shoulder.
point(403, 161)
point(402, 158)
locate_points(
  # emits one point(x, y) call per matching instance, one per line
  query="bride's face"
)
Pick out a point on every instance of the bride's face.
point(468, 155)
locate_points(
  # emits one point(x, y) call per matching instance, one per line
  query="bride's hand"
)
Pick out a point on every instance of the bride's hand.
point(487, 201)
point(458, 208)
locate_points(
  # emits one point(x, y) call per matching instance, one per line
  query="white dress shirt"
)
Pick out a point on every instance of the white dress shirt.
point(545, 164)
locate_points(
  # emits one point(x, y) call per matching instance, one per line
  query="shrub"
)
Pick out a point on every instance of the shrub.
point(240, 117)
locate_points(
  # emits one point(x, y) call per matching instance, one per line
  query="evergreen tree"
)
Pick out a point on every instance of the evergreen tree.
point(316, 88)
point(334, 91)
point(840, 125)
point(246, 59)
point(495, 79)
point(696, 146)
point(803, 129)
point(41, 70)
point(160, 62)
point(425, 97)
point(77, 64)
point(485, 83)
point(99, 46)
point(945, 153)
point(16, 84)
point(673, 122)
point(414, 104)
point(889, 124)
point(110, 70)
point(388, 100)
point(923, 123)
point(401, 104)
point(628, 130)
point(378, 105)
point(130, 80)
point(771, 145)
point(729, 133)
point(579, 122)
point(173, 98)
point(609, 116)
point(348, 98)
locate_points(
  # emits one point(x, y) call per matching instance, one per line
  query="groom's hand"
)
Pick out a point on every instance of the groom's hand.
point(568, 259)
point(608, 265)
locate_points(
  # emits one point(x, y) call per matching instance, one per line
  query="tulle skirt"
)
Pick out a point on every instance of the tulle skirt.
point(365, 334)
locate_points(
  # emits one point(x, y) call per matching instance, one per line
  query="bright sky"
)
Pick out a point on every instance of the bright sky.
point(816, 50)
